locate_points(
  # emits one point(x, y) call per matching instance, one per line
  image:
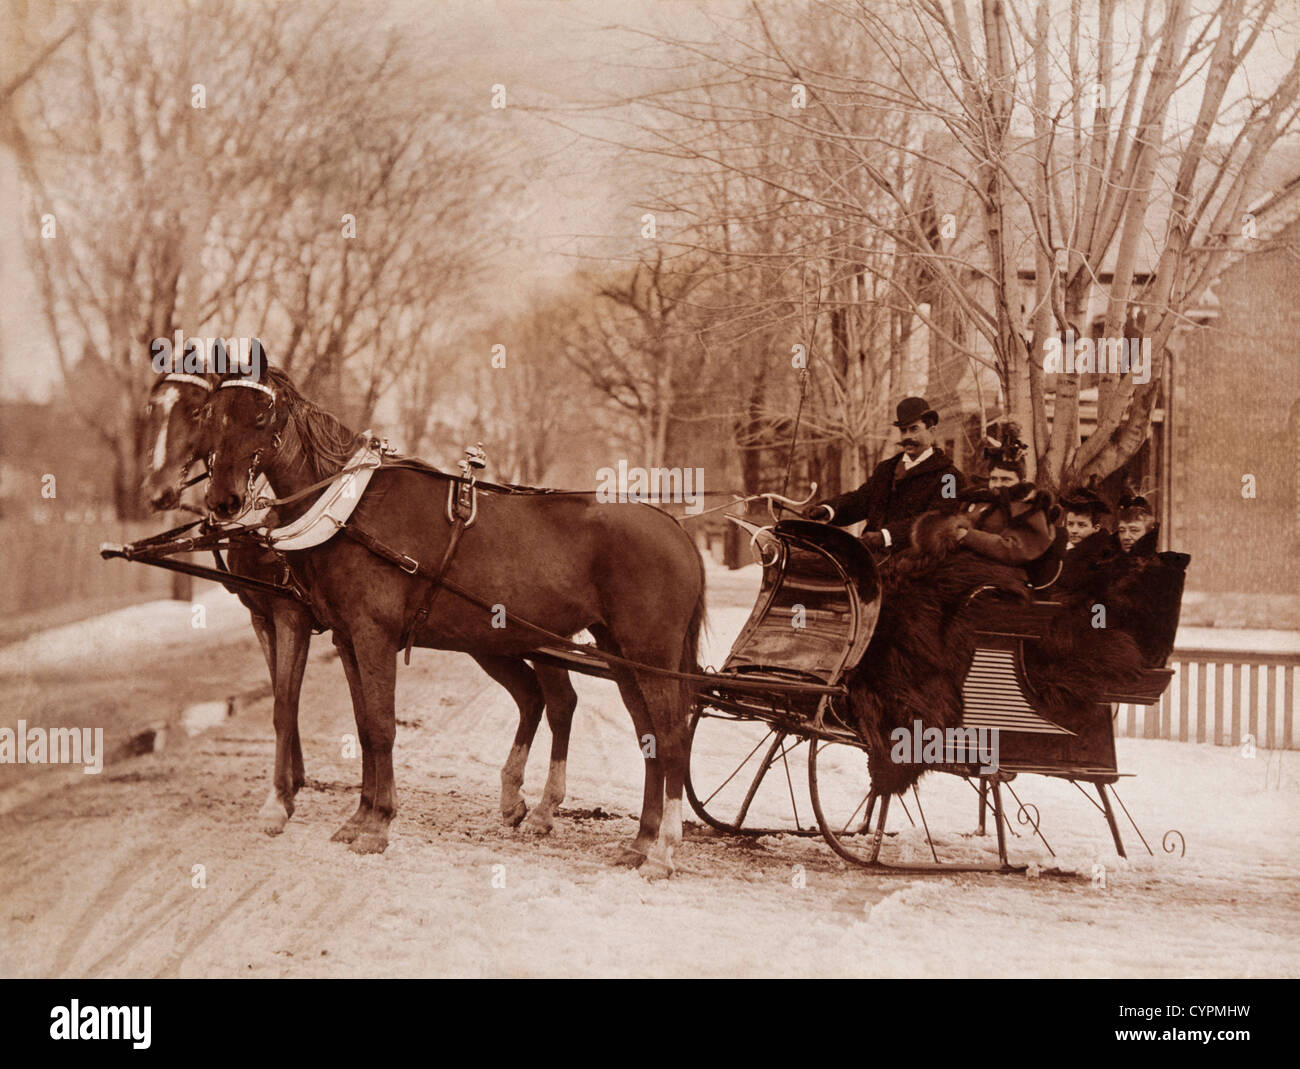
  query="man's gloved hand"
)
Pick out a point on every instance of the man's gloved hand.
point(873, 539)
point(819, 513)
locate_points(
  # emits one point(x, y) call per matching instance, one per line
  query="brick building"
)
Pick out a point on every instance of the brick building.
point(1233, 401)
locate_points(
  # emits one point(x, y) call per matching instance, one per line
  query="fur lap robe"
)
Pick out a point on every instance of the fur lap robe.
point(924, 643)
point(919, 653)
point(1141, 591)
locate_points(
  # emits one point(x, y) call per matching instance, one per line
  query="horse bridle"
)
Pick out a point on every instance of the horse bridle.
point(207, 387)
point(277, 442)
point(256, 458)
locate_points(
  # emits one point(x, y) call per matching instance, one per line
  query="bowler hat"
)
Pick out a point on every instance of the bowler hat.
point(910, 409)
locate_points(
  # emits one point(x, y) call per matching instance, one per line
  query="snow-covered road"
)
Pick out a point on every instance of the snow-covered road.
point(157, 867)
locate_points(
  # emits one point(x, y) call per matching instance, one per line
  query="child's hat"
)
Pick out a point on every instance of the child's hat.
point(1085, 500)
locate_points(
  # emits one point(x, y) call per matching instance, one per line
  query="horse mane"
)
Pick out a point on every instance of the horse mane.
point(325, 442)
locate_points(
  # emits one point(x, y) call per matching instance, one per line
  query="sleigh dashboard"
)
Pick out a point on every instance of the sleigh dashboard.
point(814, 616)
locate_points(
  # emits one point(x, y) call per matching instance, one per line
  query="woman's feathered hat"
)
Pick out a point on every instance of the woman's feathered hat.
point(1133, 506)
point(1003, 447)
point(1086, 501)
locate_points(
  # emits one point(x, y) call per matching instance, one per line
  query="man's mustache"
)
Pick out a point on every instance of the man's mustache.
point(909, 441)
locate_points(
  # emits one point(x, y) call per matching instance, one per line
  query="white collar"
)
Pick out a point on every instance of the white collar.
point(331, 510)
point(909, 463)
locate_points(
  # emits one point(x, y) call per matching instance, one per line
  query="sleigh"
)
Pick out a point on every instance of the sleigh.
point(817, 608)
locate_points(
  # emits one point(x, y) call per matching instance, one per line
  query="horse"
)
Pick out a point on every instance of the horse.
point(284, 626)
point(626, 572)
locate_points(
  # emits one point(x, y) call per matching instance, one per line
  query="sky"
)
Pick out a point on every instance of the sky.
point(543, 51)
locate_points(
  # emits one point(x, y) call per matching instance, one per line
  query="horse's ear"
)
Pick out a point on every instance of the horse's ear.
point(248, 364)
point(257, 358)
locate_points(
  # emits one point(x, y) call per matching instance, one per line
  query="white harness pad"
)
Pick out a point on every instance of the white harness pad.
point(331, 510)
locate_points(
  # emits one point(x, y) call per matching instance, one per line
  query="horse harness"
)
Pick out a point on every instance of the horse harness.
point(461, 512)
point(330, 515)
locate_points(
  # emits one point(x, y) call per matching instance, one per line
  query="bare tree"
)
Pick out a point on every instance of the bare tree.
point(637, 348)
point(803, 308)
point(227, 201)
point(1095, 200)
point(527, 402)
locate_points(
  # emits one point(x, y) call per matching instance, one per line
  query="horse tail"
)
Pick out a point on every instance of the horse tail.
point(690, 660)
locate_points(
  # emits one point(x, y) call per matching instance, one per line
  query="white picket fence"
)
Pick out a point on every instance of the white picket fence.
point(1221, 697)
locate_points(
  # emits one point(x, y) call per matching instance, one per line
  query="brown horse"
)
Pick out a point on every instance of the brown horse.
point(628, 573)
point(284, 627)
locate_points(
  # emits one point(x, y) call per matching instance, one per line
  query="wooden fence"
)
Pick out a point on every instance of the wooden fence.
point(48, 565)
point(1221, 697)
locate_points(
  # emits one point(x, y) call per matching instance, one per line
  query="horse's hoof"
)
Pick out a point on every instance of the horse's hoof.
point(537, 825)
point(346, 834)
point(656, 869)
point(630, 856)
point(369, 842)
point(512, 817)
point(273, 823)
point(274, 814)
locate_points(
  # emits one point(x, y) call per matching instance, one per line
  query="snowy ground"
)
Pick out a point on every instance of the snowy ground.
point(97, 873)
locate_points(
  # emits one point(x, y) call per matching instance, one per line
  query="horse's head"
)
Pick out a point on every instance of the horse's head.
point(247, 418)
point(176, 432)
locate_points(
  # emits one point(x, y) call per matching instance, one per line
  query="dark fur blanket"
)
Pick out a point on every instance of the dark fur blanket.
point(924, 643)
point(918, 655)
point(1141, 595)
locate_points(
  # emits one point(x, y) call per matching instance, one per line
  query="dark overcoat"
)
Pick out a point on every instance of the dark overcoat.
point(1010, 525)
point(890, 504)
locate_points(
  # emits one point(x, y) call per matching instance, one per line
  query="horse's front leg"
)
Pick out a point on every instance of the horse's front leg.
point(376, 662)
point(264, 629)
point(292, 641)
